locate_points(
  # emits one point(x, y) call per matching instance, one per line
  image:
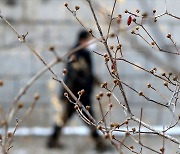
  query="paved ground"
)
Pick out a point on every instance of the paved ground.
point(73, 145)
point(83, 145)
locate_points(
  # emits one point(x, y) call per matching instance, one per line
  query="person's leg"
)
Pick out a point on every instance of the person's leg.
point(61, 119)
point(94, 132)
point(100, 144)
point(86, 101)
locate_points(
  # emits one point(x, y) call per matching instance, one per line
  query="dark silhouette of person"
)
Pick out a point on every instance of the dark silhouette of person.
point(79, 76)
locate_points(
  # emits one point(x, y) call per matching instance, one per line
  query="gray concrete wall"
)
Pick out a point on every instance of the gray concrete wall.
point(49, 23)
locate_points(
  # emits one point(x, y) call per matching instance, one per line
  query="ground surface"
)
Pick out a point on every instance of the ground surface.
point(73, 145)
point(82, 145)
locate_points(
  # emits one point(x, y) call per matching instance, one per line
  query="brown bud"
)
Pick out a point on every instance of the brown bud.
point(66, 4)
point(81, 92)
point(131, 147)
point(1, 83)
point(163, 74)
point(137, 27)
point(116, 81)
point(112, 35)
point(105, 55)
point(175, 78)
point(162, 149)
point(166, 84)
point(106, 59)
point(36, 96)
point(132, 32)
point(137, 11)
point(155, 69)
point(20, 105)
point(151, 71)
point(99, 127)
point(119, 16)
point(148, 85)
point(90, 31)
point(140, 93)
point(66, 94)
point(144, 15)
point(77, 8)
point(10, 134)
point(106, 136)
point(111, 125)
point(64, 71)
point(51, 48)
point(101, 94)
point(153, 43)
point(111, 47)
point(113, 71)
point(108, 94)
point(110, 105)
point(168, 36)
point(119, 46)
point(133, 130)
point(126, 122)
point(75, 107)
point(126, 11)
point(134, 20)
point(154, 11)
point(104, 85)
point(170, 73)
point(88, 107)
point(98, 97)
point(116, 125)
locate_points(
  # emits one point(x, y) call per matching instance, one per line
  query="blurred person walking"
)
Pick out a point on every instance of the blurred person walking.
point(79, 76)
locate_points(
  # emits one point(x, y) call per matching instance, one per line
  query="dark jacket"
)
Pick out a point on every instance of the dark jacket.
point(80, 75)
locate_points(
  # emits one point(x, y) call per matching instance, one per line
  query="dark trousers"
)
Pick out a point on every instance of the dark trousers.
point(68, 112)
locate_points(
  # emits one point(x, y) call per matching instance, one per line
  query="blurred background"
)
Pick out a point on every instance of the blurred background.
point(49, 23)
